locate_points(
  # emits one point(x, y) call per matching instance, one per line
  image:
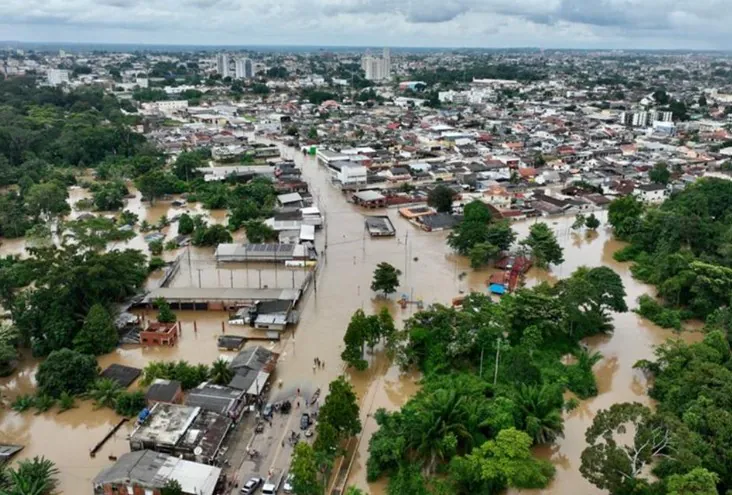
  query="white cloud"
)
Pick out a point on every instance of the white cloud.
point(545, 23)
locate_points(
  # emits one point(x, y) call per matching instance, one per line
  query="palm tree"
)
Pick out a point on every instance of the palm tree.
point(104, 392)
point(443, 418)
point(36, 476)
point(541, 411)
point(221, 374)
point(586, 359)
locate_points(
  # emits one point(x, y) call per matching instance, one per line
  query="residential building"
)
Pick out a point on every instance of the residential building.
point(377, 68)
point(222, 64)
point(191, 433)
point(352, 174)
point(156, 333)
point(663, 116)
point(244, 68)
point(146, 472)
point(651, 193)
point(162, 390)
point(57, 77)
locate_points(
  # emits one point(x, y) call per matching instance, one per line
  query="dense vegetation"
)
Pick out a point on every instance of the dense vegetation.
point(683, 247)
point(494, 379)
point(686, 443)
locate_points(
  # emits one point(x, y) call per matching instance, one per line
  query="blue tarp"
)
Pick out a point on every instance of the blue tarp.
point(499, 289)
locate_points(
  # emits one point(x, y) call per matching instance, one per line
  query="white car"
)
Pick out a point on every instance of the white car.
point(288, 484)
point(251, 486)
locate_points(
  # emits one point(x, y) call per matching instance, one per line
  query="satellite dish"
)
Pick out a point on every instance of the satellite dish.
point(198, 451)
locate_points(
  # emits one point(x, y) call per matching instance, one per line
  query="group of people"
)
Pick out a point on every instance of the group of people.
point(317, 363)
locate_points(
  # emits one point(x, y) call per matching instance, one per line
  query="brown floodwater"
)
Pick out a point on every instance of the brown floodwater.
point(430, 272)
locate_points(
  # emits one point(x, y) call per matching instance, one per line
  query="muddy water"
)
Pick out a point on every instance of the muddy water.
point(429, 272)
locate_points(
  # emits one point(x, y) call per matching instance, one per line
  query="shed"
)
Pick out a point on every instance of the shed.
point(124, 375)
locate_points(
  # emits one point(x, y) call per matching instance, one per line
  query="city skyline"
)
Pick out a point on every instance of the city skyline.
point(610, 24)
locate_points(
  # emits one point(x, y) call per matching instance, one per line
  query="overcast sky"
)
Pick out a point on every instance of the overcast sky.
point(698, 24)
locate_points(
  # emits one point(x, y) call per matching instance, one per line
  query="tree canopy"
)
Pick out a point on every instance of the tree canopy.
point(386, 278)
point(66, 371)
point(545, 249)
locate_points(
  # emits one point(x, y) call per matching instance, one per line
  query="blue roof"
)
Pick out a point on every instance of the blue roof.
point(499, 289)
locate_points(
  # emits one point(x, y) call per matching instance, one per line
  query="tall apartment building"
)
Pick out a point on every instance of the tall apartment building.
point(244, 68)
point(56, 77)
point(635, 119)
point(222, 64)
point(377, 68)
point(663, 116)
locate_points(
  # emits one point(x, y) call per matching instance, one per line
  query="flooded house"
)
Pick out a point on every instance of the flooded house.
point(220, 399)
point(191, 433)
point(165, 391)
point(146, 473)
point(157, 333)
point(252, 369)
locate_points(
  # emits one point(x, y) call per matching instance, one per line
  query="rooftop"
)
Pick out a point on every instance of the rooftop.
point(124, 375)
point(163, 390)
point(166, 424)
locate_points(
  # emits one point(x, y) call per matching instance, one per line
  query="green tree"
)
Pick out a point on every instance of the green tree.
point(579, 221)
point(185, 224)
point(472, 230)
point(698, 481)
point(47, 200)
point(313, 133)
point(172, 487)
point(354, 340)
point(37, 476)
point(660, 174)
point(127, 217)
point(108, 196)
point(211, 235)
point(304, 469)
point(540, 409)
point(187, 164)
point(624, 215)
point(482, 253)
point(66, 371)
point(617, 467)
point(99, 334)
point(104, 392)
point(440, 198)
point(544, 246)
point(386, 278)
point(504, 462)
point(258, 232)
point(340, 409)
point(154, 184)
point(592, 222)
point(221, 373)
point(165, 314)
point(130, 403)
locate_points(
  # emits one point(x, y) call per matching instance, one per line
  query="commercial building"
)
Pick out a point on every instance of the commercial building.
point(222, 64)
point(56, 77)
point(146, 472)
point(244, 68)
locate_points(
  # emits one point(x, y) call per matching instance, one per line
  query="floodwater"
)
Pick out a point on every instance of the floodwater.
point(430, 272)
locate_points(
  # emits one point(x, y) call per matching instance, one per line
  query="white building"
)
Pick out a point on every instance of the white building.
point(352, 173)
point(244, 68)
point(56, 77)
point(222, 64)
point(662, 116)
point(651, 193)
point(377, 68)
point(639, 119)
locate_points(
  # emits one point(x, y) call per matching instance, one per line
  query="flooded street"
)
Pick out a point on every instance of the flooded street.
point(429, 271)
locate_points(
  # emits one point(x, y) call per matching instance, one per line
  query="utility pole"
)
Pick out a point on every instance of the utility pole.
point(406, 254)
point(199, 278)
point(231, 278)
point(498, 352)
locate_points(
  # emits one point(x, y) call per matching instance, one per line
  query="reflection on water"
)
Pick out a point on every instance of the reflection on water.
point(430, 272)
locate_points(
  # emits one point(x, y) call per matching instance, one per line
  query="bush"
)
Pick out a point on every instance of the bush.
point(22, 403)
point(66, 371)
point(130, 403)
point(663, 317)
point(628, 253)
point(156, 247)
point(156, 263)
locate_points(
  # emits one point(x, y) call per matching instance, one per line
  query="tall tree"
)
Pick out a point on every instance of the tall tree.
point(340, 408)
point(165, 314)
point(698, 481)
point(660, 174)
point(304, 469)
point(624, 215)
point(386, 278)
point(504, 462)
point(473, 228)
point(440, 198)
point(354, 340)
point(616, 466)
point(541, 412)
point(544, 246)
point(66, 371)
point(47, 200)
point(98, 335)
point(592, 222)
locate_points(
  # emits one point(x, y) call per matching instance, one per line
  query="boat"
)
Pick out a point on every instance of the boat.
point(315, 396)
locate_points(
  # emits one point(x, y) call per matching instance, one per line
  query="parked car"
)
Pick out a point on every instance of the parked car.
point(304, 421)
point(251, 485)
point(287, 487)
point(267, 411)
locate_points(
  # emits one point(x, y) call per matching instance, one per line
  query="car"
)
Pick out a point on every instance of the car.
point(251, 485)
point(287, 487)
point(304, 421)
point(267, 411)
